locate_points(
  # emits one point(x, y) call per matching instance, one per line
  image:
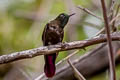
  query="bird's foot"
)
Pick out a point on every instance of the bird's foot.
point(63, 44)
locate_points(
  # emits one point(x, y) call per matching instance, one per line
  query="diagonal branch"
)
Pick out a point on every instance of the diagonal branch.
point(56, 48)
point(78, 75)
point(112, 14)
point(64, 59)
point(109, 40)
point(116, 15)
point(110, 23)
point(89, 12)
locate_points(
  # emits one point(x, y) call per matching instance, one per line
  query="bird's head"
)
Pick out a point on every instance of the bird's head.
point(63, 18)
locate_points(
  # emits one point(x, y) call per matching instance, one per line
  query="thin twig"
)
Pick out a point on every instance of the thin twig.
point(112, 22)
point(117, 11)
point(115, 18)
point(89, 12)
point(25, 74)
point(91, 25)
point(64, 59)
point(112, 14)
point(116, 15)
point(109, 40)
point(103, 29)
point(77, 74)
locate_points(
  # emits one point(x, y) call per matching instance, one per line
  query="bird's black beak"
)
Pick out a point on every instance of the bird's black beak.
point(71, 14)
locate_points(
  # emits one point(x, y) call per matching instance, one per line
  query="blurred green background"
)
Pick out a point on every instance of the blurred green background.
point(22, 23)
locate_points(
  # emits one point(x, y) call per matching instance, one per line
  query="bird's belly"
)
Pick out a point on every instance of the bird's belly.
point(53, 37)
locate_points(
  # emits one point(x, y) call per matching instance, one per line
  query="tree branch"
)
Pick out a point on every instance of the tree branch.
point(89, 12)
point(109, 41)
point(56, 48)
point(89, 64)
point(77, 74)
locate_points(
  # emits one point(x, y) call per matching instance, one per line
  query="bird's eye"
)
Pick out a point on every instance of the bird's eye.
point(62, 16)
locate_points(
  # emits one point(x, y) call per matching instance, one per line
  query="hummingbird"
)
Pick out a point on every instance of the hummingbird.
point(53, 34)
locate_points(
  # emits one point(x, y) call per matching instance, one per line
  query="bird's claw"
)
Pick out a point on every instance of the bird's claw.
point(63, 44)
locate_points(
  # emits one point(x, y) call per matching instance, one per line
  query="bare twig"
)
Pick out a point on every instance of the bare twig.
point(77, 74)
point(55, 48)
point(25, 74)
point(116, 15)
point(91, 25)
point(112, 13)
point(40, 77)
point(117, 11)
point(89, 12)
point(64, 59)
point(111, 22)
point(110, 54)
point(101, 31)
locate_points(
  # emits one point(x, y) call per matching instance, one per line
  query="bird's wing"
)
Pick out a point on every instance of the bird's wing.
point(44, 34)
point(61, 36)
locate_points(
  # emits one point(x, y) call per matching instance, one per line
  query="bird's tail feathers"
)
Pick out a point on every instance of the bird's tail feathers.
point(49, 67)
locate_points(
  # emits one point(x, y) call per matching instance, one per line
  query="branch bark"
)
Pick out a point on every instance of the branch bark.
point(90, 64)
point(56, 48)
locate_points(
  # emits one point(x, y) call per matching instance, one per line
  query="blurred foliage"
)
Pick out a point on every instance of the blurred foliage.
point(17, 25)
point(58, 7)
point(82, 2)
